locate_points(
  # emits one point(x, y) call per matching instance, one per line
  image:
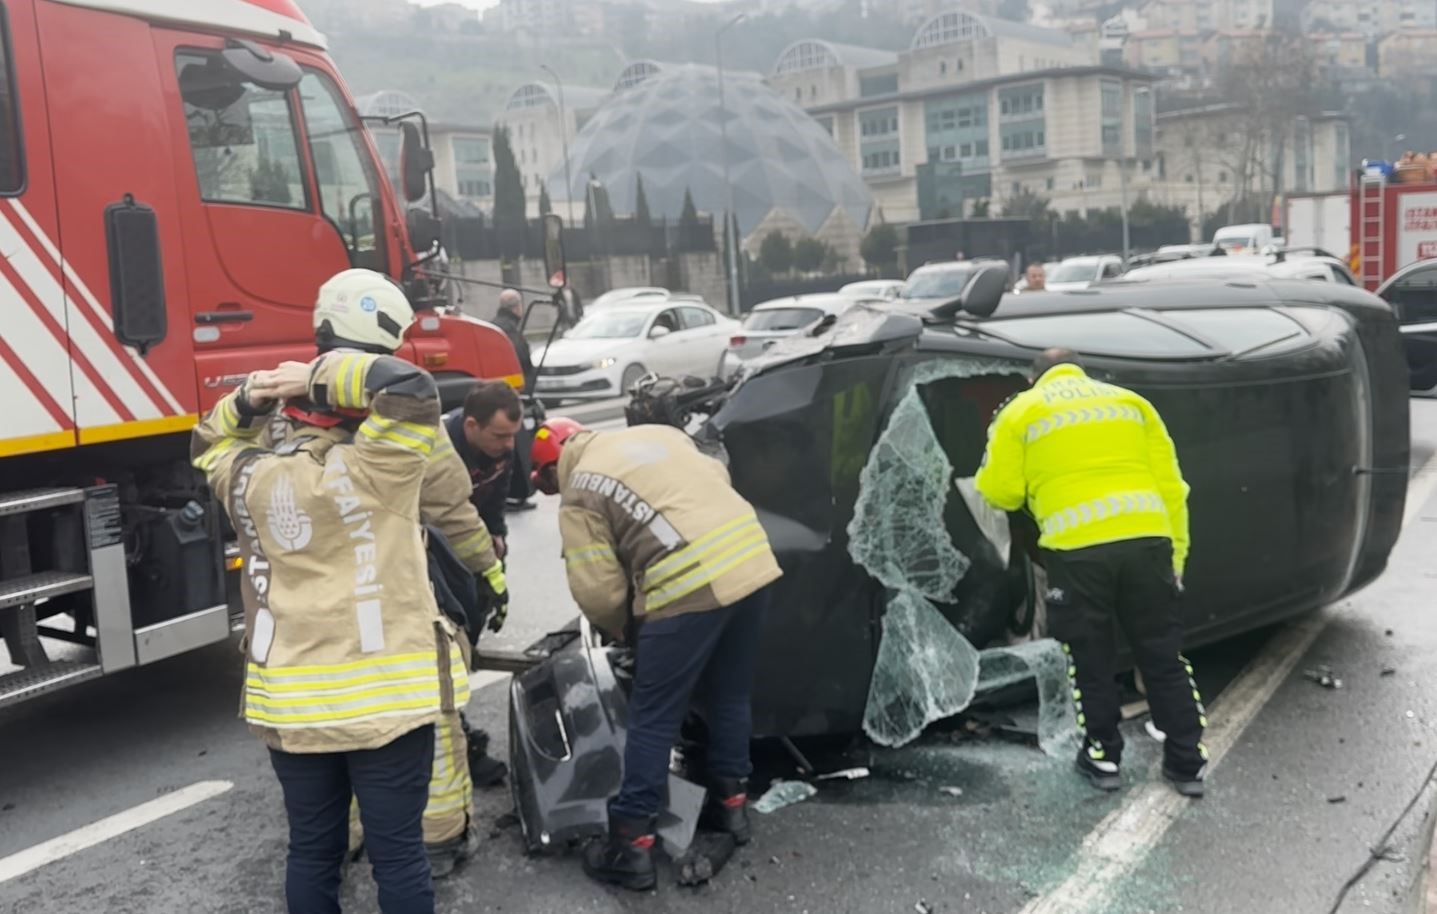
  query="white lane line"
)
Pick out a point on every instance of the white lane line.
point(1122, 839)
point(88, 836)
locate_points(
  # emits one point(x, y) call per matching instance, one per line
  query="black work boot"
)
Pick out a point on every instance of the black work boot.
point(1189, 785)
point(726, 809)
point(1101, 772)
point(445, 857)
point(626, 858)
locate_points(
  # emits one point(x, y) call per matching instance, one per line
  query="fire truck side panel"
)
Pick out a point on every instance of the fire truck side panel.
point(35, 380)
point(114, 149)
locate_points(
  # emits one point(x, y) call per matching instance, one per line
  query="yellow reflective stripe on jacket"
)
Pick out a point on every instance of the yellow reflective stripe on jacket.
point(228, 416)
point(450, 788)
point(349, 392)
point(410, 435)
point(471, 545)
point(206, 461)
point(681, 559)
point(396, 662)
point(1059, 420)
point(299, 696)
point(753, 544)
point(1100, 509)
point(587, 555)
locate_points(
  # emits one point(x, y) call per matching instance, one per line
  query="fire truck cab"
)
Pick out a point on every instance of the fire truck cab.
point(177, 178)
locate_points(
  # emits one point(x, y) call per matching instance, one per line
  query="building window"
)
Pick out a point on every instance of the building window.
point(1049, 184)
point(958, 129)
point(813, 91)
point(1021, 103)
point(877, 85)
point(826, 123)
point(1095, 183)
point(798, 93)
point(1340, 153)
point(1112, 118)
point(942, 68)
point(1143, 115)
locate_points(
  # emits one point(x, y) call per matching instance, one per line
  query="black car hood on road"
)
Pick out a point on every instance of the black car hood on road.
point(1287, 401)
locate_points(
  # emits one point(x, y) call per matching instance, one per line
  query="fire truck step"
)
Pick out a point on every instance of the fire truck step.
point(36, 680)
point(31, 587)
point(29, 500)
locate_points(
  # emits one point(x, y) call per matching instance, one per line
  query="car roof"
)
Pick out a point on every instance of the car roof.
point(1232, 265)
point(947, 266)
point(1256, 291)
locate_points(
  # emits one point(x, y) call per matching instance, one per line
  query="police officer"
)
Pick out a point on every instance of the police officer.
point(349, 662)
point(364, 311)
point(661, 552)
point(1094, 464)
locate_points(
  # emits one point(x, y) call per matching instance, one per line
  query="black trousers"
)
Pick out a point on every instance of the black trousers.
point(1128, 584)
point(392, 784)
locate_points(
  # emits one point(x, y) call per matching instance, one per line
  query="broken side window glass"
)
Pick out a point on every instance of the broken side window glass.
point(926, 668)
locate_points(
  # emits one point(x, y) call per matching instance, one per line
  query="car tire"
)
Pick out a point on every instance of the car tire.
point(630, 377)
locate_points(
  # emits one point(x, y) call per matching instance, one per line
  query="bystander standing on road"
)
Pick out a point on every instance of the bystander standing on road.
point(1094, 464)
point(662, 553)
point(1037, 278)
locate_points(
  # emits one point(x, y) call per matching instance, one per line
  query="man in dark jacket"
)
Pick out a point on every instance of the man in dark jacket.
point(483, 431)
point(510, 319)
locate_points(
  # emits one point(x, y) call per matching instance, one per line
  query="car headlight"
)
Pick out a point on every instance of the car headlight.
point(601, 364)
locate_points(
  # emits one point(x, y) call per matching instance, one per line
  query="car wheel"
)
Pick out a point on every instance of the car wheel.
point(632, 375)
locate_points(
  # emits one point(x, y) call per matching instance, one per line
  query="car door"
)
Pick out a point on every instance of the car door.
point(707, 340)
point(1413, 296)
point(665, 354)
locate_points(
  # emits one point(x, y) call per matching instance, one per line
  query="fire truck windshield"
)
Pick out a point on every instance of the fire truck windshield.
point(345, 173)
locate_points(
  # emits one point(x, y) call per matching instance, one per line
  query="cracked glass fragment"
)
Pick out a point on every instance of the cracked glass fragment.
point(784, 793)
point(926, 669)
point(1044, 662)
point(992, 521)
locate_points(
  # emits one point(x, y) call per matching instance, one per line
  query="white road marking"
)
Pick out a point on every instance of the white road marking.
point(33, 858)
point(1120, 842)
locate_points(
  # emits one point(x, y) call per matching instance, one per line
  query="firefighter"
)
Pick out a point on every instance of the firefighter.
point(1094, 464)
point(349, 662)
point(661, 553)
point(364, 311)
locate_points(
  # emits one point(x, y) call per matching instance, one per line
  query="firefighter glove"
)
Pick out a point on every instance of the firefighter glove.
point(497, 592)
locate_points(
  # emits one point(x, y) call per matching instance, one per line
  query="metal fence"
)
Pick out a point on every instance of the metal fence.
point(473, 238)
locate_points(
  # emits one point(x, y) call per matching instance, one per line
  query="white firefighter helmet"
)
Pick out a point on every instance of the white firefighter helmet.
point(361, 309)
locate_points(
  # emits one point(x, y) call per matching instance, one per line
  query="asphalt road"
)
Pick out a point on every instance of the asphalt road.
point(1310, 782)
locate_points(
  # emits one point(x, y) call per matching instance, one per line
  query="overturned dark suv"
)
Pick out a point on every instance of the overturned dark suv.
point(857, 443)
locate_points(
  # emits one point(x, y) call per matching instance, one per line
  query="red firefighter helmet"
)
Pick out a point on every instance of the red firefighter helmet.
point(548, 445)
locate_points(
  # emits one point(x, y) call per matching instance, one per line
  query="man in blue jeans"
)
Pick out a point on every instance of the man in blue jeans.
point(662, 553)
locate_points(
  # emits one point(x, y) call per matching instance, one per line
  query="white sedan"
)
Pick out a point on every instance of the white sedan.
point(608, 351)
point(886, 289)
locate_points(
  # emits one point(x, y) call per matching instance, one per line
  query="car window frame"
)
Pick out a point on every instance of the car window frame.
point(17, 118)
point(709, 319)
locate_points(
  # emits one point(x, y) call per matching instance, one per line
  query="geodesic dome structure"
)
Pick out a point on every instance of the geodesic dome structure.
point(666, 128)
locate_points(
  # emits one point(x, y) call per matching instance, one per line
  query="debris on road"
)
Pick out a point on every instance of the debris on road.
point(1388, 671)
point(705, 858)
point(784, 793)
point(952, 791)
point(1323, 676)
point(923, 907)
point(1337, 799)
point(847, 774)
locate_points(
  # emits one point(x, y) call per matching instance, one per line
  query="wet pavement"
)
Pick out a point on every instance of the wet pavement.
point(1310, 781)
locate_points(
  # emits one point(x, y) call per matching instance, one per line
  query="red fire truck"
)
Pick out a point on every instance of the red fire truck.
point(177, 178)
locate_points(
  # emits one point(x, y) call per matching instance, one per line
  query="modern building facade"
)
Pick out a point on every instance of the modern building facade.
point(541, 128)
point(977, 109)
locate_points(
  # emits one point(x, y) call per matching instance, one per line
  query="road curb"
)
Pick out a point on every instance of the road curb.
point(1401, 883)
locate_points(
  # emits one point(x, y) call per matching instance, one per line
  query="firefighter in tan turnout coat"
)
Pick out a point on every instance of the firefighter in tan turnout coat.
point(661, 551)
point(342, 323)
point(349, 662)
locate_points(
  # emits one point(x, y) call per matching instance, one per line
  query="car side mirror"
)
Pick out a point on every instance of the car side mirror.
point(658, 332)
point(555, 266)
point(980, 296)
point(416, 161)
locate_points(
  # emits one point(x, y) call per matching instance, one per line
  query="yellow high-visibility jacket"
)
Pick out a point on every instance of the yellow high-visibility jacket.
point(1093, 462)
point(347, 647)
point(645, 514)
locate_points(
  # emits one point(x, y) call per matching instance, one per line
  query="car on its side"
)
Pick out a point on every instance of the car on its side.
point(608, 351)
point(774, 320)
point(884, 289)
point(1081, 272)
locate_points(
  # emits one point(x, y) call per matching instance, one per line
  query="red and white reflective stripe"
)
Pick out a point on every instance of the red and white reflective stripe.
point(25, 415)
point(107, 363)
point(170, 406)
point(42, 351)
point(255, 17)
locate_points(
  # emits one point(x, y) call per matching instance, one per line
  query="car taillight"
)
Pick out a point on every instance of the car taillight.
point(736, 341)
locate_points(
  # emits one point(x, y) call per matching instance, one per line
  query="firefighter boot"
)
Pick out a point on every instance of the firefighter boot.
point(443, 858)
point(1101, 771)
point(626, 858)
point(726, 809)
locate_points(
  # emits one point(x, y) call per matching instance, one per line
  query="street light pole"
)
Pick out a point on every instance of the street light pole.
point(564, 139)
point(731, 242)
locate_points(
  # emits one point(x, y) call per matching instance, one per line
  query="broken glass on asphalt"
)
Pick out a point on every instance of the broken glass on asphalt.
point(926, 669)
